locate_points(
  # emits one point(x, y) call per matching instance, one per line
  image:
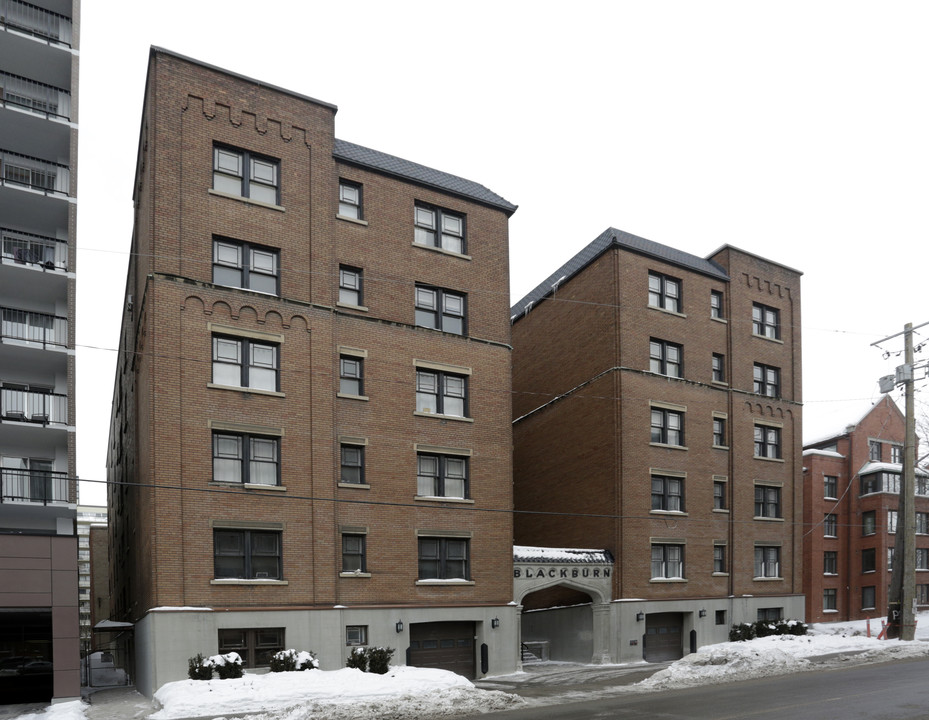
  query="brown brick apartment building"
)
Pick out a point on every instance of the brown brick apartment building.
point(310, 445)
point(657, 406)
point(851, 488)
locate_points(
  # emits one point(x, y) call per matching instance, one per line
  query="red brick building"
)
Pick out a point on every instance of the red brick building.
point(310, 442)
point(657, 405)
point(851, 487)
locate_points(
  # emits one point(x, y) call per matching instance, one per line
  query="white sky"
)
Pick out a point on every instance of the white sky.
point(795, 130)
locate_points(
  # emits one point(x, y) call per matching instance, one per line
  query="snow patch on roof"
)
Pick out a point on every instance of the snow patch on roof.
point(529, 553)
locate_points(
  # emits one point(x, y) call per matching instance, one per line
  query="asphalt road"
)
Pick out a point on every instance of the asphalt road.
point(887, 691)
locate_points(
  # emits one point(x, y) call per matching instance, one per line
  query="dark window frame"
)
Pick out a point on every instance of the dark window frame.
point(349, 466)
point(354, 206)
point(766, 380)
point(718, 367)
point(830, 562)
point(767, 561)
point(667, 493)
point(661, 358)
point(719, 432)
point(868, 560)
point(351, 375)
point(440, 316)
point(662, 568)
point(442, 393)
point(246, 347)
point(250, 553)
point(768, 502)
point(354, 552)
point(447, 558)
point(437, 229)
point(247, 161)
point(256, 650)
point(766, 321)
point(830, 482)
point(351, 285)
point(663, 431)
point(716, 305)
point(830, 525)
point(665, 292)
point(768, 445)
point(245, 266)
point(441, 479)
point(246, 458)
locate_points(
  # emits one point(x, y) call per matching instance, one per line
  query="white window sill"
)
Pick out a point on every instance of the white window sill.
point(436, 498)
point(244, 581)
point(254, 391)
point(720, 574)
point(668, 580)
point(721, 510)
point(357, 221)
point(354, 574)
point(442, 251)
point(670, 447)
point(259, 486)
point(769, 339)
point(829, 612)
point(769, 519)
point(439, 581)
point(418, 413)
point(677, 513)
point(724, 321)
point(768, 579)
point(361, 486)
point(352, 397)
point(349, 306)
point(667, 312)
point(247, 201)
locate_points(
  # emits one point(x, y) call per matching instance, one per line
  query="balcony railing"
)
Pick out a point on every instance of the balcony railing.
point(33, 486)
point(16, 169)
point(35, 21)
point(35, 96)
point(25, 248)
point(21, 405)
point(33, 327)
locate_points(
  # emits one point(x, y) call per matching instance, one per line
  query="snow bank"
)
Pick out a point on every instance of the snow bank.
point(73, 710)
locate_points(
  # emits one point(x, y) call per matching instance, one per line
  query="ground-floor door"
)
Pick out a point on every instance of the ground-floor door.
point(664, 637)
point(26, 655)
point(443, 645)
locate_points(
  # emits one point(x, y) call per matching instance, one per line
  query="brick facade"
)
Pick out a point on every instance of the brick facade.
point(584, 397)
point(852, 478)
point(166, 503)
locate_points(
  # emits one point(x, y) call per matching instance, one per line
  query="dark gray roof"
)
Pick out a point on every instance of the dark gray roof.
point(609, 238)
point(398, 167)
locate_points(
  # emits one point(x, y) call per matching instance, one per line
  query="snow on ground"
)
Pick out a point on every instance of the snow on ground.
point(407, 692)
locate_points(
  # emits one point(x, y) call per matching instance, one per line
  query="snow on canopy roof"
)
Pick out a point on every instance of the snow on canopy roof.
point(827, 421)
point(873, 467)
point(529, 553)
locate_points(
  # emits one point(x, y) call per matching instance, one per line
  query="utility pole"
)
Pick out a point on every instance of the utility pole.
point(901, 601)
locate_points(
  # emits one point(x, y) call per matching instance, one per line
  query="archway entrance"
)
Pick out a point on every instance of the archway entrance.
point(557, 624)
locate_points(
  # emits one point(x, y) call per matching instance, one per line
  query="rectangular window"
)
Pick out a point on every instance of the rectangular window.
point(868, 522)
point(891, 521)
point(767, 441)
point(721, 617)
point(871, 483)
point(667, 561)
point(719, 368)
point(767, 562)
point(719, 558)
point(766, 321)
point(256, 646)
point(664, 292)
point(243, 458)
point(922, 523)
point(667, 427)
point(719, 494)
point(896, 454)
point(247, 554)
point(353, 553)
point(246, 174)
point(442, 393)
point(767, 501)
point(716, 304)
point(890, 559)
point(438, 228)
point(350, 285)
point(441, 476)
point(829, 599)
point(667, 493)
point(352, 464)
point(440, 309)
point(767, 380)
point(350, 199)
point(922, 558)
point(719, 432)
point(243, 265)
point(874, 450)
point(922, 594)
point(830, 562)
point(356, 635)
point(770, 614)
point(665, 358)
point(830, 486)
point(240, 362)
point(444, 558)
point(868, 560)
point(868, 598)
point(351, 375)
point(830, 525)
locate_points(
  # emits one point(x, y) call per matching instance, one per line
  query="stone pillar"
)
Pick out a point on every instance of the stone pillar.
point(602, 634)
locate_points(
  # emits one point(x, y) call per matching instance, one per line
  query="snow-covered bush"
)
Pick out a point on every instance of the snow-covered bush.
point(227, 666)
point(371, 659)
point(199, 668)
point(764, 628)
point(290, 660)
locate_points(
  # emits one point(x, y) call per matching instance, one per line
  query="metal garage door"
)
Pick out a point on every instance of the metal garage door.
point(664, 637)
point(444, 645)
